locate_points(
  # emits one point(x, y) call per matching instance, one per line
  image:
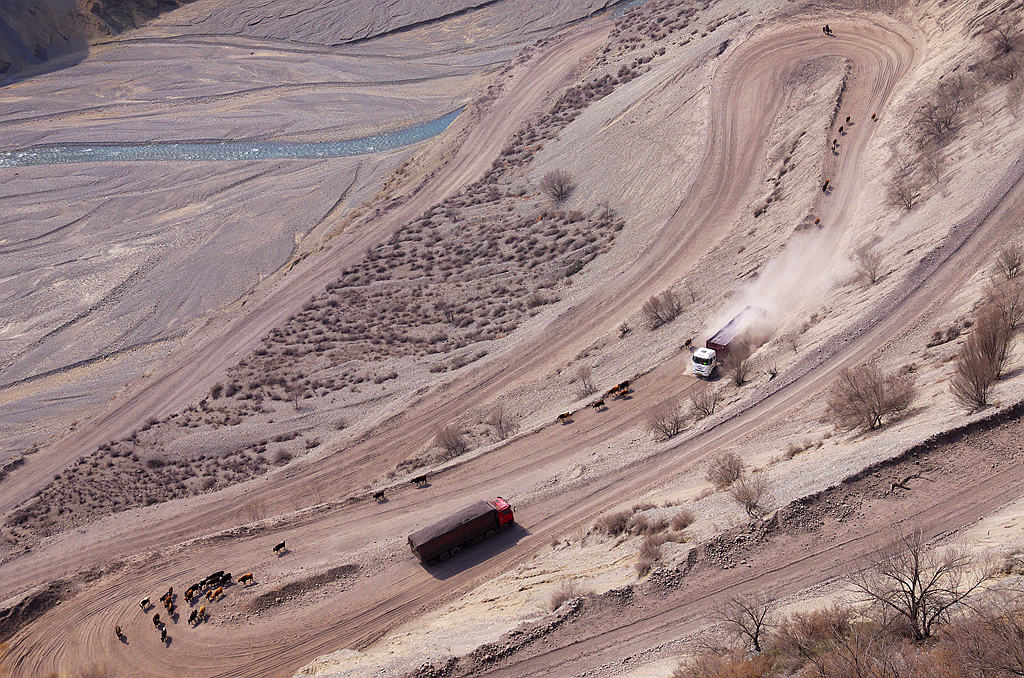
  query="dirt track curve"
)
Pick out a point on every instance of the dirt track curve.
point(748, 92)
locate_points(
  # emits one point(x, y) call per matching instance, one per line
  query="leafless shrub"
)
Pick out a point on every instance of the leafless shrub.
point(624, 329)
point(920, 587)
point(868, 262)
point(451, 440)
point(747, 618)
point(558, 184)
point(650, 552)
point(736, 363)
point(991, 641)
point(941, 115)
point(724, 469)
point(704, 401)
point(864, 397)
point(584, 381)
point(614, 523)
point(1007, 298)
point(1004, 32)
point(992, 337)
point(932, 158)
point(255, 509)
point(564, 593)
point(1010, 261)
point(665, 420)
point(903, 190)
point(682, 520)
point(503, 422)
point(662, 308)
point(751, 491)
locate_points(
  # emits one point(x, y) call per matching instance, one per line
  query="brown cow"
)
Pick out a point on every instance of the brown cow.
point(247, 577)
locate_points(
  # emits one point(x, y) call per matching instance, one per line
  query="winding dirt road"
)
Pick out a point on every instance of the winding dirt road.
point(748, 92)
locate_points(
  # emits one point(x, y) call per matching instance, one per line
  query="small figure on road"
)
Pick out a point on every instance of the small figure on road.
point(826, 30)
point(824, 186)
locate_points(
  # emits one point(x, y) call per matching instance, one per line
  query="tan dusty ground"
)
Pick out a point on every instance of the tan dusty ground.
point(780, 75)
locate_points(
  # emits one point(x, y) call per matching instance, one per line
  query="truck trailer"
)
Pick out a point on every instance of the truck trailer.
point(706, 359)
point(446, 538)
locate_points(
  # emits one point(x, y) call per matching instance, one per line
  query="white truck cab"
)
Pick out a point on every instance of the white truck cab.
point(704, 362)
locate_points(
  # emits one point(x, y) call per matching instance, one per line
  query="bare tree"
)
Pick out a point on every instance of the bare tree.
point(665, 420)
point(973, 376)
point(991, 642)
point(558, 184)
point(932, 158)
point(748, 618)
point(704, 401)
point(662, 308)
point(902, 578)
point(751, 491)
point(724, 469)
point(868, 262)
point(737, 363)
point(503, 422)
point(584, 381)
point(1004, 32)
point(864, 397)
point(941, 115)
point(451, 440)
point(1010, 261)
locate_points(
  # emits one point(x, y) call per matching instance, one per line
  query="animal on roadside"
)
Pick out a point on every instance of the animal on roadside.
point(144, 603)
point(824, 186)
point(598, 404)
point(688, 343)
point(565, 417)
point(171, 608)
point(163, 635)
point(117, 631)
point(192, 617)
point(849, 120)
point(874, 116)
point(379, 495)
point(612, 391)
point(841, 130)
point(623, 389)
point(226, 579)
point(156, 620)
point(420, 481)
point(190, 592)
point(169, 594)
point(280, 547)
point(217, 593)
point(214, 577)
point(202, 613)
point(247, 577)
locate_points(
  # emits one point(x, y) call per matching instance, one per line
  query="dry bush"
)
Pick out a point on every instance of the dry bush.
point(704, 401)
point(747, 618)
point(503, 422)
point(864, 397)
point(725, 664)
point(751, 491)
point(558, 185)
point(613, 524)
point(736, 363)
point(724, 469)
point(584, 381)
point(666, 420)
point(1005, 33)
point(650, 552)
point(662, 308)
point(868, 262)
point(940, 117)
point(255, 509)
point(1010, 261)
point(906, 581)
point(903, 190)
point(992, 335)
point(451, 440)
point(1007, 297)
point(990, 642)
point(564, 593)
point(682, 520)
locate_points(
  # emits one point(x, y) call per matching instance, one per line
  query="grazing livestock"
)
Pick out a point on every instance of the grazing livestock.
point(117, 631)
point(163, 635)
point(144, 603)
point(379, 495)
point(824, 186)
point(156, 620)
point(247, 577)
point(280, 547)
point(598, 404)
point(874, 116)
point(565, 417)
point(842, 131)
point(688, 343)
point(226, 579)
point(192, 617)
point(848, 121)
point(420, 481)
point(202, 613)
point(217, 592)
point(612, 391)
point(171, 607)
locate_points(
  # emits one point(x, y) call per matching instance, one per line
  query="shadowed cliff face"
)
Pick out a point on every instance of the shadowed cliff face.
point(41, 34)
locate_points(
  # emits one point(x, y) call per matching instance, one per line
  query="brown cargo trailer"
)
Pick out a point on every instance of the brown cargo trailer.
point(471, 525)
point(727, 335)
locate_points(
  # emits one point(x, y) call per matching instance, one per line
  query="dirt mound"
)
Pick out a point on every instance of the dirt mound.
point(277, 596)
point(20, 610)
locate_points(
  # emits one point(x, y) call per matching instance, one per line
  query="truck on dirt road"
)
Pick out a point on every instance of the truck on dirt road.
point(446, 538)
point(706, 359)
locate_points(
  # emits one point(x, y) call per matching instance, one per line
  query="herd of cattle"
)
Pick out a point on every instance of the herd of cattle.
point(212, 588)
point(618, 391)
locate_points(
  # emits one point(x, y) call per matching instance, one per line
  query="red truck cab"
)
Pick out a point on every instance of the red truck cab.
point(505, 516)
